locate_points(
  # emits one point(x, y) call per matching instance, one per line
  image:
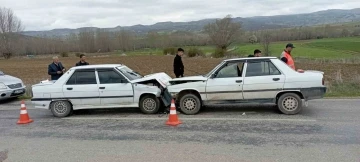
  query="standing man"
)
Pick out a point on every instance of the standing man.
point(257, 53)
point(82, 61)
point(286, 55)
point(56, 69)
point(178, 64)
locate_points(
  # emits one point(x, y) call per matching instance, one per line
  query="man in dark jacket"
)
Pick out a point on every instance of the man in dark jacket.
point(56, 69)
point(257, 53)
point(82, 61)
point(178, 64)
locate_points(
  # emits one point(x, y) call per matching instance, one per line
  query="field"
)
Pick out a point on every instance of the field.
point(333, 48)
point(338, 58)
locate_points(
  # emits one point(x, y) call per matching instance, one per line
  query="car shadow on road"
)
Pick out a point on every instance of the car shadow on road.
point(223, 109)
point(9, 101)
point(253, 108)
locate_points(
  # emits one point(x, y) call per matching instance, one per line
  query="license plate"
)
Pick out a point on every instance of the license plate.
point(19, 91)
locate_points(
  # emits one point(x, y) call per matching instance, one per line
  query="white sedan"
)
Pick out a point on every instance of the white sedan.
point(102, 86)
point(249, 80)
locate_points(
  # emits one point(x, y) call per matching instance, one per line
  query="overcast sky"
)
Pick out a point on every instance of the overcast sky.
point(46, 14)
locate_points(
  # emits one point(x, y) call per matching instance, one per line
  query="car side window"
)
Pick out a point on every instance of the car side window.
point(230, 70)
point(82, 77)
point(110, 77)
point(261, 68)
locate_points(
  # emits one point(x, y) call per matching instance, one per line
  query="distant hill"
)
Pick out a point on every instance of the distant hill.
point(250, 23)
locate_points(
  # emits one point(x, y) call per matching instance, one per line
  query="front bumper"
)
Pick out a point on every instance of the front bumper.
point(166, 97)
point(12, 93)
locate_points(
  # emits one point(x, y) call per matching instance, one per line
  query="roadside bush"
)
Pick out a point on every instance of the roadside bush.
point(193, 52)
point(349, 88)
point(170, 50)
point(219, 53)
point(64, 54)
point(77, 54)
point(7, 55)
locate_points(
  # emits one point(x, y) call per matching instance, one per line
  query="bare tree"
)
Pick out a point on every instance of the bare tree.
point(266, 38)
point(222, 32)
point(87, 40)
point(125, 40)
point(253, 39)
point(10, 25)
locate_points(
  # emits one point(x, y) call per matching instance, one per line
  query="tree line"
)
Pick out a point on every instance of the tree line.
point(222, 33)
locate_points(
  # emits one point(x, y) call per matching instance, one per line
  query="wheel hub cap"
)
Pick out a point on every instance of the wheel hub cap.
point(189, 104)
point(60, 107)
point(290, 103)
point(149, 104)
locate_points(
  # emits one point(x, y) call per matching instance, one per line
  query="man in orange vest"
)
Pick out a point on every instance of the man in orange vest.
point(287, 58)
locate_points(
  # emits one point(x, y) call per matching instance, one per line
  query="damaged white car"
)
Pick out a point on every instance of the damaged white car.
point(102, 86)
point(249, 80)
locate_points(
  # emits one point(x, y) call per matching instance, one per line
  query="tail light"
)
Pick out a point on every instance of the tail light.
point(323, 81)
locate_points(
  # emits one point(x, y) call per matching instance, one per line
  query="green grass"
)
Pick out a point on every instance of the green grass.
point(344, 90)
point(148, 51)
point(347, 45)
point(332, 48)
point(320, 48)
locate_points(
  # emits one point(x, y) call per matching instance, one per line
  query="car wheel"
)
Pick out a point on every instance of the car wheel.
point(289, 103)
point(61, 108)
point(190, 104)
point(149, 104)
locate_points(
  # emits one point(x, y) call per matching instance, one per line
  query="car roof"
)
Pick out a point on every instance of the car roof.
point(250, 58)
point(97, 66)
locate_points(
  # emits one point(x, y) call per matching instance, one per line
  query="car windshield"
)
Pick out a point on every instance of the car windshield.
point(213, 70)
point(2, 73)
point(130, 74)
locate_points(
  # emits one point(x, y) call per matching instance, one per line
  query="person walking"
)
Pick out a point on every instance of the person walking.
point(82, 61)
point(56, 69)
point(257, 53)
point(178, 64)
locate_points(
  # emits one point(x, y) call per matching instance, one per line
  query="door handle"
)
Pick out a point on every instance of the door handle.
point(101, 87)
point(69, 88)
point(238, 81)
point(276, 79)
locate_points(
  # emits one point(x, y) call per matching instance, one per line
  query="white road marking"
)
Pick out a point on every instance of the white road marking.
point(7, 109)
point(209, 119)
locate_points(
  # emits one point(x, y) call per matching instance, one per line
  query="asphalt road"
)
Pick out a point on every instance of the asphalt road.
point(327, 130)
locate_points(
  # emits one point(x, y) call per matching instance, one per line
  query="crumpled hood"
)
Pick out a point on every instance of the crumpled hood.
point(7, 79)
point(190, 78)
point(162, 78)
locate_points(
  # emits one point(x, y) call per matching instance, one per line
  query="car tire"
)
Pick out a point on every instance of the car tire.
point(149, 104)
point(61, 108)
point(190, 104)
point(289, 103)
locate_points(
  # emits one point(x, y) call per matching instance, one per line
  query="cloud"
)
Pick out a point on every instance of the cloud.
point(47, 15)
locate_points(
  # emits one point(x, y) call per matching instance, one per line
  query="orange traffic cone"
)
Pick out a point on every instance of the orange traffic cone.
point(24, 117)
point(173, 118)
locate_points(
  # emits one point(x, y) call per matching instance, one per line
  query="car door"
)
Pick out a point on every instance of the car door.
point(82, 88)
point(114, 88)
point(226, 83)
point(262, 80)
